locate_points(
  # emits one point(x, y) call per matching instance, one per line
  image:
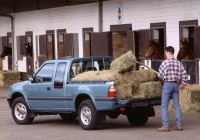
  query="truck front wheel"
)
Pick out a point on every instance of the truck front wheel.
point(87, 115)
point(20, 112)
point(137, 119)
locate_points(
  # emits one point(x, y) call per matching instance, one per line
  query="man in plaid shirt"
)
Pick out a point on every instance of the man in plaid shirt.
point(171, 71)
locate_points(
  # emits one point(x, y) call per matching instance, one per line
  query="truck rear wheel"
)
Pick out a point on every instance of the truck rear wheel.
point(87, 115)
point(137, 119)
point(68, 116)
point(20, 112)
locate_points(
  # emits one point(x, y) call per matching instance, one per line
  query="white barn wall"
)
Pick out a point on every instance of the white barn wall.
point(71, 18)
point(5, 25)
point(143, 12)
point(140, 13)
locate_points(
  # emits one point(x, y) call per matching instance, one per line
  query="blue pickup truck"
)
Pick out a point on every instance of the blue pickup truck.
point(51, 90)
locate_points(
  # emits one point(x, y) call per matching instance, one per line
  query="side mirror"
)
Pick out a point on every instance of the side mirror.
point(30, 78)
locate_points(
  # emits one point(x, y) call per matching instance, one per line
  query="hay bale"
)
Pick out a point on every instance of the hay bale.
point(127, 81)
point(9, 75)
point(148, 89)
point(189, 99)
point(123, 63)
point(128, 84)
point(101, 75)
point(8, 78)
point(15, 75)
point(124, 91)
point(86, 76)
point(140, 76)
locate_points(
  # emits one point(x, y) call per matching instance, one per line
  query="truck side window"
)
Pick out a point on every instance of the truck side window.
point(59, 77)
point(45, 74)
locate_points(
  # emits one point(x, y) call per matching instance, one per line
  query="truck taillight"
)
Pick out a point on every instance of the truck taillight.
point(112, 92)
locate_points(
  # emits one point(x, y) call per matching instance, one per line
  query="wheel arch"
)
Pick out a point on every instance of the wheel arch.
point(81, 97)
point(14, 96)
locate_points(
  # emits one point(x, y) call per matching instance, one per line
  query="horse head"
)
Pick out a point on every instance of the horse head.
point(154, 50)
point(185, 50)
point(28, 49)
point(6, 51)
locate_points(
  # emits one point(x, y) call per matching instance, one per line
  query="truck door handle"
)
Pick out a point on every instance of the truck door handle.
point(48, 88)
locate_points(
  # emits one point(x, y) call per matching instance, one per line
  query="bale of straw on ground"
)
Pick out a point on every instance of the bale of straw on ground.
point(8, 78)
point(123, 63)
point(189, 99)
point(9, 75)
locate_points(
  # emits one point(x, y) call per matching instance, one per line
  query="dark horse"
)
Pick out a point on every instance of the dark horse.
point(28, 50)
point(186, 49)
point(154, 50)
point(6, 51)
point(29, 57)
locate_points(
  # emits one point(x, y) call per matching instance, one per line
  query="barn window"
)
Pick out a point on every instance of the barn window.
point(187, 31)
point(158, 34)
point(50, 45)
point(87, 41)
point(120, 39)
point(60, 42)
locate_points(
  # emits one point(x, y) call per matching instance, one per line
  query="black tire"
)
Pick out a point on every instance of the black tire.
point(87, 115)
point(20, 111)
point(137, 119)
point(68, 116)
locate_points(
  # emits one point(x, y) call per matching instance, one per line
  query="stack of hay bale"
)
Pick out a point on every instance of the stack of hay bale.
point(8, 78)
point(189, 99)
point(129, 83)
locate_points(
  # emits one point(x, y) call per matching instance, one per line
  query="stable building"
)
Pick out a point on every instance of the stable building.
point(70, 28)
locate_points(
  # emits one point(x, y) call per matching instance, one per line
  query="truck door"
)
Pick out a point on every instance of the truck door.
point(59, 97)
point(40, 93)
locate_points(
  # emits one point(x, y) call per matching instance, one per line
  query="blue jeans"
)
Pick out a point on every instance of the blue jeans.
point(170, 89)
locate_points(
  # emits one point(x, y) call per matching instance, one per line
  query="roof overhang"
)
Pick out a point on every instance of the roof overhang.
point(16, 6)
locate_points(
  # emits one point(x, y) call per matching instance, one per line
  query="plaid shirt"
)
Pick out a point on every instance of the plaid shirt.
point(172, 70)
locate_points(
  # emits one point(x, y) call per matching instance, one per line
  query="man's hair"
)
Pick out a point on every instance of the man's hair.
point(169, 49)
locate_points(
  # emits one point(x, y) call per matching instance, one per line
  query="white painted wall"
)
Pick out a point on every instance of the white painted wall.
point(143, 12)
point(140, 13)
point(5, 63)
point(5, 26)
point(71, 18)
